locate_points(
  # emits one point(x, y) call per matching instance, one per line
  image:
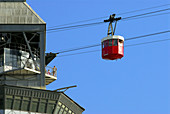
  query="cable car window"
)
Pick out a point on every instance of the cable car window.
point(110, 42)
point(106, 43)
point(115, 42)
point(121, 41)
point(102, 45)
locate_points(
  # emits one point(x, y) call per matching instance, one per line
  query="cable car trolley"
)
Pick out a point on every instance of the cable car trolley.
point(112, 45)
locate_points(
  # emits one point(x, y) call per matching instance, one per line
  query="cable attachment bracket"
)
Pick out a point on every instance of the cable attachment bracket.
point(111, 20)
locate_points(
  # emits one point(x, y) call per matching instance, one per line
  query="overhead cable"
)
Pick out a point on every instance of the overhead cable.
point(143, 9)
point(75, 26)
point(147, 35)
point(102, 22)
point(144, 43)
point(145, 13)
point(97, 23)
point(147, 42)
point(132, 38)
point(78, 53)
point(133, 11)
point(90, 46)
point(147, 16)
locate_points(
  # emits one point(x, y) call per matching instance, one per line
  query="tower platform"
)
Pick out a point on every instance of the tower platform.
point(27, 74)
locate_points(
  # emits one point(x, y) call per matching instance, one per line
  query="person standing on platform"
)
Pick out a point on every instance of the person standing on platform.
point(49, 73)
point(54, 70)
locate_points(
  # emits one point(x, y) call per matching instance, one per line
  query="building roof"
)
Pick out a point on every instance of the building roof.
point(43, 94)
point(18, 12)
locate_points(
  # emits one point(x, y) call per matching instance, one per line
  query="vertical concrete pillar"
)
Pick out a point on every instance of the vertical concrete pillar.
point(42, 58)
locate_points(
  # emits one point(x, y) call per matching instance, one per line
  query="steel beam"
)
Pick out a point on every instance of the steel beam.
point(23, 28)
point(27, 42)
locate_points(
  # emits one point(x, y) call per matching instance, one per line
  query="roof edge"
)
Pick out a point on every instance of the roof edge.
point(72, 100)
point(34, 12)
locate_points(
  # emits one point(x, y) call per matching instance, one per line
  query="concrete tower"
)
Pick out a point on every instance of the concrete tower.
point(23, 77)
point(22, 46)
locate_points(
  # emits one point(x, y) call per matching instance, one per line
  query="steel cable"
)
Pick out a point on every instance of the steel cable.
point(132, 38)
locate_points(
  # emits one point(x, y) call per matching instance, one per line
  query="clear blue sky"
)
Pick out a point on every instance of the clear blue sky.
point(139, 83)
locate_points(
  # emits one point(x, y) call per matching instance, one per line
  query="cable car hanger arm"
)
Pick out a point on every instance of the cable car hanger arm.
point(111, 20)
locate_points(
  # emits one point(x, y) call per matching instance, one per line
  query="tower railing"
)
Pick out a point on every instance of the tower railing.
point(14, 65)
point(15, 59)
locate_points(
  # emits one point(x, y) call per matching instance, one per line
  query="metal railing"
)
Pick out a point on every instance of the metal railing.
point(13, 60)
point(12, 65)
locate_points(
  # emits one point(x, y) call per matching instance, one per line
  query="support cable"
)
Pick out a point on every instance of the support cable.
point(146, 13)
point(147, 16)
point(75, 49)
point(84, 25)
point(144, 43)
point(147, 35)
point(97, 23)
point(133, 11)
point(132, 38)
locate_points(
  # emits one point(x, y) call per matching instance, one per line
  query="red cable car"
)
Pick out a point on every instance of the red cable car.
point(112, 47)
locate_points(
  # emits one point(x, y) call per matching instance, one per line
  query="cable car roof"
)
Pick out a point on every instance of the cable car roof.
point(113, 37)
